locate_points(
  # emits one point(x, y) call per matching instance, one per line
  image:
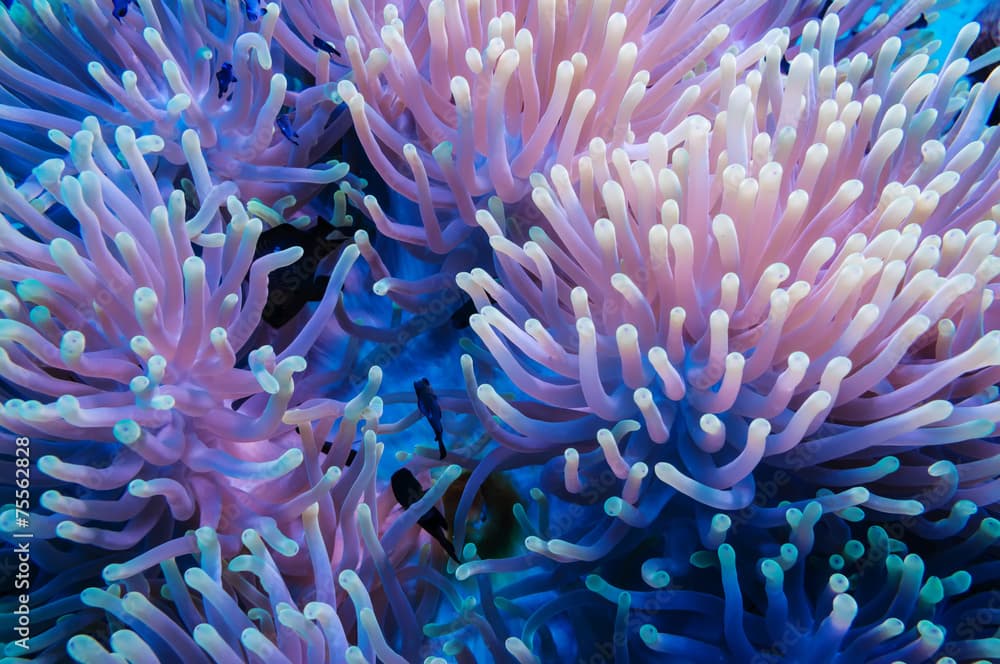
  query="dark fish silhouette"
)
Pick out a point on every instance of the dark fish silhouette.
point(225, 78)
point(324, 45)
point(291, 287)
point(285, 126)
point(429, 407)
point(460, 319)
point(407, 491)
point(120, 10)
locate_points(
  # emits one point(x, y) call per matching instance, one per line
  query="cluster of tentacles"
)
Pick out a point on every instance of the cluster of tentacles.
point(571, 330)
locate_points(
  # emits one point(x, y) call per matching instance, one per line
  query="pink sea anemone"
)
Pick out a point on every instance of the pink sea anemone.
point(453, 106)
point(803, 281)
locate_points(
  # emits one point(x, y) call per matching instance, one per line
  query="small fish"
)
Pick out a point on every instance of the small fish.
point(285, 126)
point(253, 9)
point(490, 521)
point(225, 78)
point(324, 45)
point(120, 10)
point(989, 36)
point(291, 287)
point(460, 319)
point(429, 407)
point(407, 490)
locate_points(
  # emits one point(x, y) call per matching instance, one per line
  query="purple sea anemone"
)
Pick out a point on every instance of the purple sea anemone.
point(126, 321)
point(324, 593)
point(116, 351)
point(804, 282)
point(153, 418)
point(157, 69)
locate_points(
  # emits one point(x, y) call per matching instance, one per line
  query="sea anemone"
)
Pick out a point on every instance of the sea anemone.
point(656, 291)
point(811, 587)
point(325, 588)
point(476, 101)
point(810, 595)
point(730, 388)
point(124, 336)
point(156, 69)
point(161, 434)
